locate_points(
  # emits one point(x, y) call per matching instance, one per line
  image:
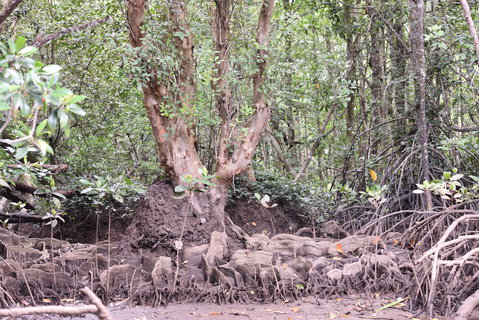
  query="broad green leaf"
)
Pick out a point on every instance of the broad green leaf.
point(457, 177)
point(63, 118)
point(20, 43)
point(118, 198)
point(57, 203)
point(87, 190)
point(75, 99)
point(52, 120)
point(181, 188)
point(179, 195)
point(21, 153)
point(61, 92)
point(51, 69)
point(27, 51)
point(44, 147)
point(11, 46)
point(41, 126)
point(77, 110)
point(59, 195)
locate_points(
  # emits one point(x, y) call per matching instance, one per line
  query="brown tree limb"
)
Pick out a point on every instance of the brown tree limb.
point(279, 152)
point(256, 124)
point(28, 188)
point(473, 127)
point(41, 39)
point(7, 11)
point(470, 23)
point(54, 168)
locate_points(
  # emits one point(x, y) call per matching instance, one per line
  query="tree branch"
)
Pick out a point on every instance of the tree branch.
point(41, 39)
point(470, 24)
point(474, 127)
point(7, 11)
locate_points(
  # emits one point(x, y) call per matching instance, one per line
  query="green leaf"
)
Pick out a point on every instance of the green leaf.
point(117, 197)
point(457, 177)
point(44, 147)
point(87, 190)
point(75, 99)
point(85, 181)
point(77, 110)
point(28, 51)
point(20, 43)
point(21, 153)
point(11, 46)
point(51, 69)
point(476, 179)
point(179, 195)
point(41, 126)
point(62, 92)
point(59, 195)
point(57, 203)
point(63, 118)
point(52, 120)
point(4, 106)
point(181, 188)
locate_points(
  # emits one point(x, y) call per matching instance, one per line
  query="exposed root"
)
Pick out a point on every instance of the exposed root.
point(96, 308)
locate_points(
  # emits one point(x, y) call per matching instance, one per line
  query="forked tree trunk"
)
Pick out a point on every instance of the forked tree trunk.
point(174, 135)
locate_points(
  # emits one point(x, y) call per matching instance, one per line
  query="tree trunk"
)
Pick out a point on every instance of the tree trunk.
point(174, 134)
point(416, 20)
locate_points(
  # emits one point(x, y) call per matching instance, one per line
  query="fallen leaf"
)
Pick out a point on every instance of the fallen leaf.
point(339, 247)
point(376, 241)
point(47, 300)
point(253, 223)
point(392, 304)
point(295, 309)
point(373, 174)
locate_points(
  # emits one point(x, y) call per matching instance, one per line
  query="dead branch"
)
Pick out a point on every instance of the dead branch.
point(467, 306)
point(96, 308)
point(41, 39)
point(21, 218)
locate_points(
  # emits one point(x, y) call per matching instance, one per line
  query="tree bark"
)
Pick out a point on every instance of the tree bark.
point(470, 23)
point(416, 20)
point(41, 39)
point(8, 9)
point(174, 135)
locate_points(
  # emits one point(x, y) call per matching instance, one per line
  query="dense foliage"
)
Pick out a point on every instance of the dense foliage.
point(338, 81)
